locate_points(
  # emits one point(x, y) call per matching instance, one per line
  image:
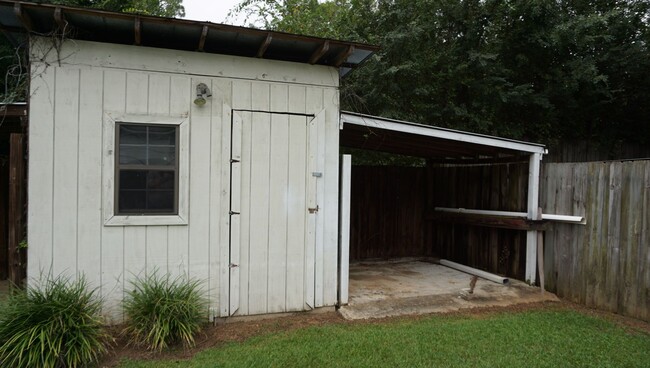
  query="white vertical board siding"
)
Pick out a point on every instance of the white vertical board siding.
point(112, 243)
point(297, 203)
point(278, 199)
point(180, 95)
point(89, 214)
point(64, 194)
point(199, 230)
point(69, 102)
point(41, 171)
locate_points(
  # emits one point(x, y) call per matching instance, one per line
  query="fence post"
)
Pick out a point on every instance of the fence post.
point(533, 211)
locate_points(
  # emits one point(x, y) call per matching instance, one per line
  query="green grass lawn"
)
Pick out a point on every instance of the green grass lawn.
point(526, 339)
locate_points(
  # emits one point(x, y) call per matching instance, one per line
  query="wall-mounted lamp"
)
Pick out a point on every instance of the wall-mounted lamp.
point(202, 92)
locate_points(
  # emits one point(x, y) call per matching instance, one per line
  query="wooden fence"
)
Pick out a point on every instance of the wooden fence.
point(390, 208)
point(606, 263)
point(585, 151)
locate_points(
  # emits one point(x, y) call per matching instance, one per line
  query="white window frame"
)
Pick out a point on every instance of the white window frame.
point(108, 164)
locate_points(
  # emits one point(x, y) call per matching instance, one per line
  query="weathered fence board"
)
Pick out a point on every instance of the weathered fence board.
point(16, 213)
point(605, 263)
point(389, 207)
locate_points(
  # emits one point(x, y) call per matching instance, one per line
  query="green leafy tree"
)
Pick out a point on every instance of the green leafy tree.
point(534, 69)
point(163, 8)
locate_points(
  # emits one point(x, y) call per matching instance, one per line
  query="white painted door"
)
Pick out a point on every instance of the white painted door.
point(273, 210)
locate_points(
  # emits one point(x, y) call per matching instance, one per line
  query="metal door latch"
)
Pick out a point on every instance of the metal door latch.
point(233, 265)
point(313, 209)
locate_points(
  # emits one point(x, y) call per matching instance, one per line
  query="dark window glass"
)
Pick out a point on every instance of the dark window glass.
point(147, 171)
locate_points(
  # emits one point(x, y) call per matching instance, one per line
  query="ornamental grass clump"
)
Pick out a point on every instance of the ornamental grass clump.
point(162, 311)
point(54, 325)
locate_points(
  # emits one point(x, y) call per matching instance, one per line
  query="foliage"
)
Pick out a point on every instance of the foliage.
point(162, 311)
point(163, 8)
point(13, 71)
point(535, 70)
point(56, 325)
point(531, 339)
point(13, 79)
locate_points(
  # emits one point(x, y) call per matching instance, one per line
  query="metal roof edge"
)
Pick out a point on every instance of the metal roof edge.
point(353, 54)
point(445, 133)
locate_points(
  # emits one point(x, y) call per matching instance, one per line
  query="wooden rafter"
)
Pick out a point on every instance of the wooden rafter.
point(318, 54)
point(25, 19)
point(343, 56)
point(59, 18)
point(264, 45)
point(204, 35)
point(137, 30)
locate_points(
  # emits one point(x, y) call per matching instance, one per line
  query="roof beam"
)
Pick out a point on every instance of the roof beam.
point(137, 31)
point(204, 35)
point(59, 18)
point(264, 45)
point(319, 52)
point(24, 17)
point(516, 159)
point(343, 56)
point(429, 131)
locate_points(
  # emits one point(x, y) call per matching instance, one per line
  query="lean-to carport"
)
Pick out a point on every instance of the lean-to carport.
point(441, 146)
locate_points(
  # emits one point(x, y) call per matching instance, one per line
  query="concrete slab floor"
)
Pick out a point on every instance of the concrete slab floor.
point(402, 287)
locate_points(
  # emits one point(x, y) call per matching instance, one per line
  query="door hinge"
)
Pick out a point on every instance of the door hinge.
point(313, 209)
point(234, 213)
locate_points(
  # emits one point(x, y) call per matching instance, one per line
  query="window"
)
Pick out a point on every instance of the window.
point(146, 169)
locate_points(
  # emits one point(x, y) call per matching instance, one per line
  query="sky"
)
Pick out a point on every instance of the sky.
point(214, 11)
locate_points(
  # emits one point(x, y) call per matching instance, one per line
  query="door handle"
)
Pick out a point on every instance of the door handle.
point(233, 265)
point(313, 209)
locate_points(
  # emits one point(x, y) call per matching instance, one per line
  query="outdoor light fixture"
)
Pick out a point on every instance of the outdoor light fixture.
point(202, 92)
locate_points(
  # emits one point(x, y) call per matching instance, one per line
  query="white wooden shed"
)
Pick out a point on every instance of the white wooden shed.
point(200, 149)
point(183, 147)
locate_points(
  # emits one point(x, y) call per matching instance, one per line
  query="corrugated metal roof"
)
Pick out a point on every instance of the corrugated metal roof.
point(18, 18)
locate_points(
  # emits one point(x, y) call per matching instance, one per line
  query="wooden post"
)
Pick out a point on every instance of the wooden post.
point(4, 183)
point(540, 252)
point(533, 209)
point(16, 207)
point(344, 229)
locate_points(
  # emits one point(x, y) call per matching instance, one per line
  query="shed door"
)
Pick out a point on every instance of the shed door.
point(272, 229)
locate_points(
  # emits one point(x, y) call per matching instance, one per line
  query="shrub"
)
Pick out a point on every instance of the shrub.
point(54, 325)
point(162, 311)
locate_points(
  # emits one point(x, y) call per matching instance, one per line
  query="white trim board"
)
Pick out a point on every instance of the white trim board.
point(430, 131)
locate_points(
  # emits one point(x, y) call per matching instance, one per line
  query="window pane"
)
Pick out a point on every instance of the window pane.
point(160, 180)
point(145, 191)
point(162, 136)
point(133, 155)
point(162, 155)
point(133, 179)
point(161, 200)
point(133, 134)
point(132, 200)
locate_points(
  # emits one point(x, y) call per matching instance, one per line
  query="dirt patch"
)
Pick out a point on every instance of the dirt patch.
point(214, 336)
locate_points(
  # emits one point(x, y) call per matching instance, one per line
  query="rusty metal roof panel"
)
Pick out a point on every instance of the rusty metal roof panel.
point(17, 19)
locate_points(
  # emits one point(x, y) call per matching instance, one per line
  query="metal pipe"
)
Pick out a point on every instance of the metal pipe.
point(557, 218)
point(474, 271)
